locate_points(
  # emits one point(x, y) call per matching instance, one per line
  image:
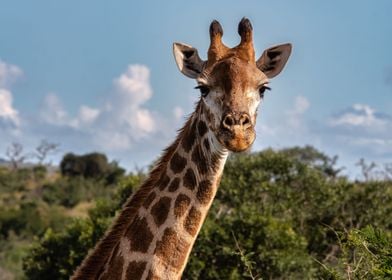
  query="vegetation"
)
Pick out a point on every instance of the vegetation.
point(94, 165)
point(285, 214)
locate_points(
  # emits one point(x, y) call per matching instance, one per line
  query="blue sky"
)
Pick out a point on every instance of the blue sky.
point(100, 75)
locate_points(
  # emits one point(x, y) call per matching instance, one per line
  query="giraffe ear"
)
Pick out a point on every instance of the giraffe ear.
point(188, 60)
point(274, 59)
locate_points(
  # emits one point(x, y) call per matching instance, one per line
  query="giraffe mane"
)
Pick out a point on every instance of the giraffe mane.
point(104, 248)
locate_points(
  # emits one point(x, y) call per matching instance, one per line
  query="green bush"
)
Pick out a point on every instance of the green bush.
point(39, 172)
point(30, 218)
point(16, 180)
point(93, 165)
point(12, 251)
point(10, 221)
point(366, 254)
point(59, 252)
point(277, 215)
point(69, 192)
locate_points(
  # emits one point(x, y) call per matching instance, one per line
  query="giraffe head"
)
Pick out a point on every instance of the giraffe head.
point(231, 82)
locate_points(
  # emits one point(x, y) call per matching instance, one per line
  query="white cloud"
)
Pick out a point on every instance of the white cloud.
point(9, 73)
point(359, 115)
point(87, 115)
point(117, 124)
point(144, 120)
point(355, 132)
point(125, 114)
point(8, 115)
point(53, 112)
point(178, 113)
point(301, 104)
point(134, 85)
point(113, 141)
point(362, 130)
point(295, 115)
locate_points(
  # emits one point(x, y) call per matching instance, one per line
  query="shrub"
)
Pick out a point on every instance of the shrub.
point(366, 254)
point(70, 191)
point(93, 165)
point(58, 253)
point(277, 215)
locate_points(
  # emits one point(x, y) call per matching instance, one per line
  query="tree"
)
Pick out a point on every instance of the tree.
point(93, 165)
point(15, 155)
point(59, 252)
point(277, 215)
point(44, 149)
point(366, 254)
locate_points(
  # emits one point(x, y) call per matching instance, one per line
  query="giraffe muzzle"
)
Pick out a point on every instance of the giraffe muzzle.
point(236, 132)
point(233, 121)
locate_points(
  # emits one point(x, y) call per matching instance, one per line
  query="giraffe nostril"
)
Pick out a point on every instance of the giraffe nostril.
point(245, 120)
point(231, 120)
point(228, 121)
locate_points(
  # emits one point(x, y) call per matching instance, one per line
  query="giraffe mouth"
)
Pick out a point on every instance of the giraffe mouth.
point(237, 139)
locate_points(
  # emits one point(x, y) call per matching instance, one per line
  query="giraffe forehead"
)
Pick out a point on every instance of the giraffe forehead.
point(235, 75)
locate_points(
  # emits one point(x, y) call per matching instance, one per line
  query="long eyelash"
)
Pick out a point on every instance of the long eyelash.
point(262, 90)
point(204, 90)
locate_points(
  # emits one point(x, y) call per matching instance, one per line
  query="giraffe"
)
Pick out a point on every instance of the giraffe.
point(154, 233)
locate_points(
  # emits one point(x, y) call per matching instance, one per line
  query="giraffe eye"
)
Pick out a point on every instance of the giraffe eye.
point(204, 90)
point(262, 89)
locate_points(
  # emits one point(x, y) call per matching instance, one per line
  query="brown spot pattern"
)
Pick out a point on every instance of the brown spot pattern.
point(171, 249)
point(204, 192)
point(115, 269)
point(202, 128)
point(160, 210)
point(190, 179)
point(107, 266)
point(192, 221)
point(135, 270)
point(215, 160)
point(150, 198)
point(181, 205)
point(174, 184)
point(200, 160)
point(177, 163)
point(206, 143)
point(139, 235)
point(163, 182)
point(189, 138)
point(210, 116)
point(104, 276)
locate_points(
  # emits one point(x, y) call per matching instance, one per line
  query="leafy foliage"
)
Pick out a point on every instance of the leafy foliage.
point(366, 254)
point(286, 206)
point(58, 253)
point(94, 165)
point(285, 214)
point(36, 202)
point(69, 192)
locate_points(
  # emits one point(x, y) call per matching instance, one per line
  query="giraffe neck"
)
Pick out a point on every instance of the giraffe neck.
point(155, 243)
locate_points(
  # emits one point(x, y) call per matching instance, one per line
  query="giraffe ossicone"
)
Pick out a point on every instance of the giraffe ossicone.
point(154, 233)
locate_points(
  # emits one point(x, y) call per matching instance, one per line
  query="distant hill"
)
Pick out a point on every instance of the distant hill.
point(4, 161)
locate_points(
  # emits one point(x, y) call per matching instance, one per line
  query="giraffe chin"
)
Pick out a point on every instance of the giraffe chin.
point(237, 142)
